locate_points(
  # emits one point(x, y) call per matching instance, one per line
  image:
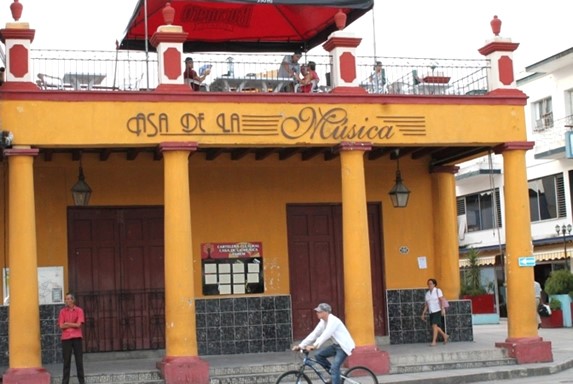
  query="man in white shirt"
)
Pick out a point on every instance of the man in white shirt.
point(537, 291)
point(329, 327)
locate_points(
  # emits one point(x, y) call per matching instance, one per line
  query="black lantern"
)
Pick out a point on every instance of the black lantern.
point(81, 191)
point(399, 194)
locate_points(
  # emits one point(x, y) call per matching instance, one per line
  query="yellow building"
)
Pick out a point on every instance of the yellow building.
point(207, 207)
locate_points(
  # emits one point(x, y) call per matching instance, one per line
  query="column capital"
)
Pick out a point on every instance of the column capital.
point(21, 152)
point(514, 145)
point(169, 146)
point(354, 146)
point(445, 169)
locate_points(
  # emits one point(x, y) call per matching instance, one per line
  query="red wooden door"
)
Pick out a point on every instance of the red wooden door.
point(315, 263)
point(116, 268)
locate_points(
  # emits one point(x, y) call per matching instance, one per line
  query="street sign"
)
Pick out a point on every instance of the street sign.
point(527, 261)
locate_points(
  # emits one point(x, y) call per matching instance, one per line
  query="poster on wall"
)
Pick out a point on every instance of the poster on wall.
point(50, 285)
point(232, 268)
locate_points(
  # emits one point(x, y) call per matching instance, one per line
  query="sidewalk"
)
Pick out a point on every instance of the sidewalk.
point(485, 337)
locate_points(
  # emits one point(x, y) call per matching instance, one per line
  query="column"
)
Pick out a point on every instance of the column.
point(168, 40)
point(342, 48)
point(499, 51)
point(24, 312)
point(18, 37)
point(523, 342)
point(446, 233)
point(358, 300)
point(181, 363)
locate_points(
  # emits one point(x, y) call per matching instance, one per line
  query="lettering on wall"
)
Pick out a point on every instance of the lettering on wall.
point(310, 123)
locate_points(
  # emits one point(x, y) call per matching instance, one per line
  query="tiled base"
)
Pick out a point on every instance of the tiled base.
point(244, 325)
point(406, 326)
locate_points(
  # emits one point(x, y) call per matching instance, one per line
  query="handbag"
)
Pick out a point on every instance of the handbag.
point(445, 303)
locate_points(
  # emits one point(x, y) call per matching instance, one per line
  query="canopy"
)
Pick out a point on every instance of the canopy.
point(245, 25)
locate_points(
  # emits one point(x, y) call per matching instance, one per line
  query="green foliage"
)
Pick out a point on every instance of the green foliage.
point(554, 304)
point(471, 284)
point(559, 282)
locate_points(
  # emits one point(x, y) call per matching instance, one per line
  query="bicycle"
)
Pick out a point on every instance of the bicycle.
point(354, 375)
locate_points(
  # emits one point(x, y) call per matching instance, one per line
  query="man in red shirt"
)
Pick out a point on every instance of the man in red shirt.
point(70, 320)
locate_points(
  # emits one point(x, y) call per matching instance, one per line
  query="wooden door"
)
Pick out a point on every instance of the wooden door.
point(116, 269)
point(315, 263)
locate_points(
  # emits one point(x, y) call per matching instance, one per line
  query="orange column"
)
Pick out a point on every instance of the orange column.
point(181, 360)
point(24, 312)
point(446, 243)
point(523, 342)
point(358, 300)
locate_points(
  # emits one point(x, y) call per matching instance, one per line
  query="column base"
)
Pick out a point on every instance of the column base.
point(527, 350)
point(26, 375)
point(370, 357)
point(184, 370)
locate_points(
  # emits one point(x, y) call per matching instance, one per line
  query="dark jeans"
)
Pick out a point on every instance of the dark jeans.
point(334, 368)
point(68, 346)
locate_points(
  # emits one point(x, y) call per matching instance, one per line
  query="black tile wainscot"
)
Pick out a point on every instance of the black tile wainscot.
point(49, 331)
point(230, 326)
point(406, 326)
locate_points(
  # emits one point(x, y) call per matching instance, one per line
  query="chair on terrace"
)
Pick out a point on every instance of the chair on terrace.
point(49, 82)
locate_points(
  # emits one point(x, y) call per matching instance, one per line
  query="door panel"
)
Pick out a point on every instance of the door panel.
point(315, 262)
point(116, 267)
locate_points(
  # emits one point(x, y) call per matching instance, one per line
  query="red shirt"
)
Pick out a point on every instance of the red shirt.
point(71, 315)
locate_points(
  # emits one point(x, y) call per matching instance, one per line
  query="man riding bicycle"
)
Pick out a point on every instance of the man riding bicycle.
point(329, 327)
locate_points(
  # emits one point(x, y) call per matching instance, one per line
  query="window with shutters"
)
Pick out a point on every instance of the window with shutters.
point(482, 210)
point(547, 198)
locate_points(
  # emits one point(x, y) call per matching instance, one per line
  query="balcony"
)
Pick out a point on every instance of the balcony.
point(549, 137)
point(135, 71)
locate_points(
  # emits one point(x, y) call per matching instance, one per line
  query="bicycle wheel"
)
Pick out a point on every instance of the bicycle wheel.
point(359, 375)
point(293, 377)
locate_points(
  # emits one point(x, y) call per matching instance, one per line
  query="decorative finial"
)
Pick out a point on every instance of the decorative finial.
point(495, 25)
point(340, 19)
point(168, 13)
point(16, 9)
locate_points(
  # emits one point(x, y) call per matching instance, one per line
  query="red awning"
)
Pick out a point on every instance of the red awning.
point(245, 25)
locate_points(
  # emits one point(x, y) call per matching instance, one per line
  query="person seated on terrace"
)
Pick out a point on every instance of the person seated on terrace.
point(378, 78)
point(191, 77)
point(310, 78)
point(290, 69)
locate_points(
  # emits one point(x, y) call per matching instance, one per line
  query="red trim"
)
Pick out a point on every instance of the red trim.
point(336, 42)
point(16, 86)
point(174, 88)
point(496, 46)
point(20, 34)
point(190, 146)
point(26, 375)
point(507, 92)
point(354, 146)
point(18, 64)
point(339, 95)
point(505, 65)
point(527, 349)
point(21, 152)
point(445, 169)
point(349, 90)
point(172, 63)
point(514, 145)
point(168, 37)
point(347, 67)
point(184, 369)
point(370, 356)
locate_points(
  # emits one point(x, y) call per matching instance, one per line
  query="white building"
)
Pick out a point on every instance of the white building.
point(549, 120)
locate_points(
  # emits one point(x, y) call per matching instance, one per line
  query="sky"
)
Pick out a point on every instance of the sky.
point(403, 28)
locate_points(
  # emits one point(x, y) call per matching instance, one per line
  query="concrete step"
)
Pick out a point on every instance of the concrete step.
point(432, 361)
point(142, 377)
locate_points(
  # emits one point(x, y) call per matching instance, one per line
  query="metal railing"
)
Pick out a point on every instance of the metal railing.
point(132, 70)
point(550, 135)
point(123, 321)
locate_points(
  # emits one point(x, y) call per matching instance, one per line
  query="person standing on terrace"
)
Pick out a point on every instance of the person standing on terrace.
point(191, 77)
point(378, 78)
point(310, 78)
point(290, 69)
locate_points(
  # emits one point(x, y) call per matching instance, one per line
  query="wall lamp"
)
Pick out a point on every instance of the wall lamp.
point(81, 191)
point(399, 194)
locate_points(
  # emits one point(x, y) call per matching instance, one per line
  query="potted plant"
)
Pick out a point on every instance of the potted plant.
point(483, 300)
point(555, 320)
point(558, 285)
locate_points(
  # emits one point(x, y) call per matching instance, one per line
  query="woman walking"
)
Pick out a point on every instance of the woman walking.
point(434, 305)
